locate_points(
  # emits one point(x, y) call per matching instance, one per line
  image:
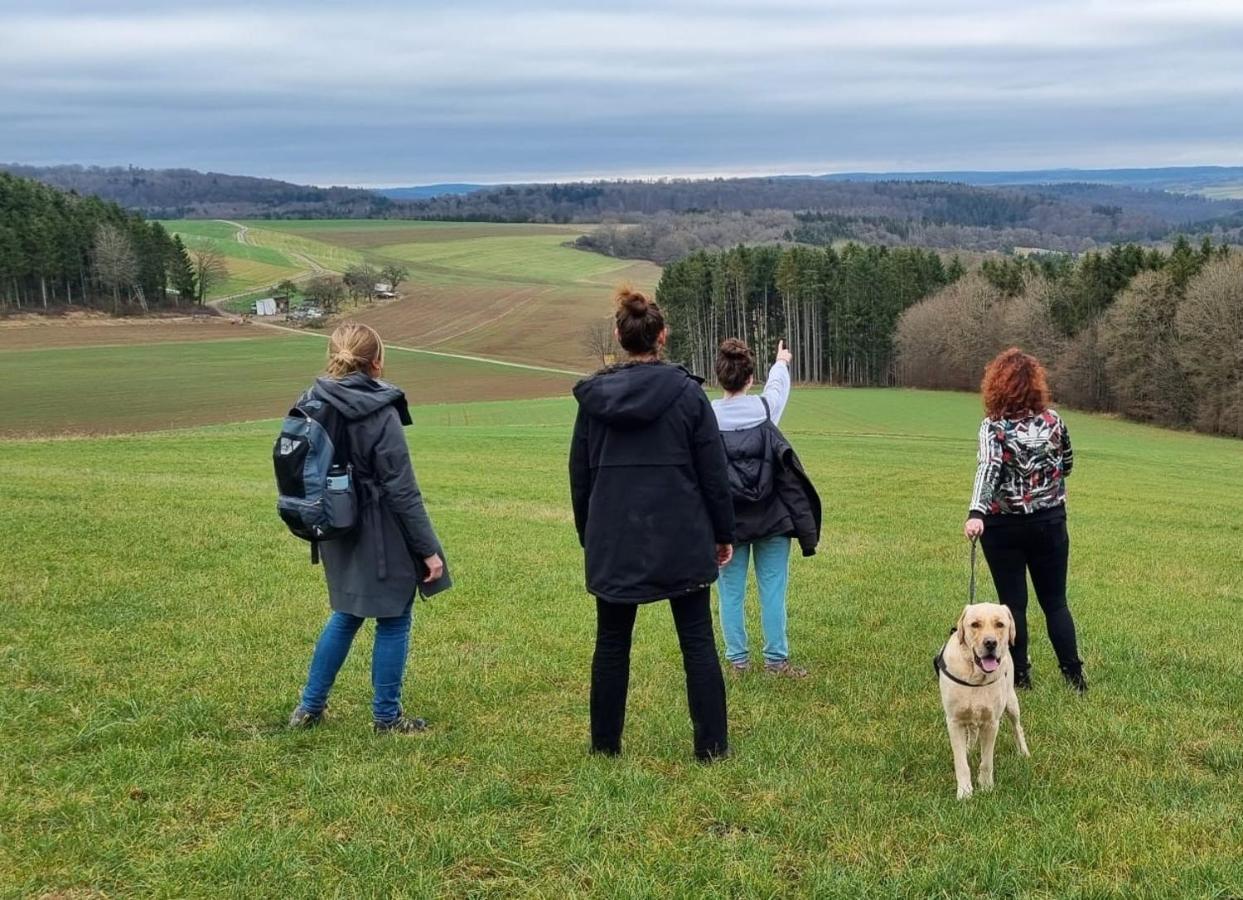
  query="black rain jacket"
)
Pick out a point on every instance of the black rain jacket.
point(772, 494)
point(648, 482)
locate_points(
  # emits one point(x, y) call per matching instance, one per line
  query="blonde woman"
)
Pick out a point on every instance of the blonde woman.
point(373, 572)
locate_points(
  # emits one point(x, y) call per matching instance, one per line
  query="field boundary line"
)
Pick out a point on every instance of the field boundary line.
point(462, 356)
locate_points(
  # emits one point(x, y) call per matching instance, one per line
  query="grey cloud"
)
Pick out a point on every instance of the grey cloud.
point(402, 93)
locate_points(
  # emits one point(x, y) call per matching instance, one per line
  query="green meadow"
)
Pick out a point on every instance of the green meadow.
point(147, 386)
point(159, 621)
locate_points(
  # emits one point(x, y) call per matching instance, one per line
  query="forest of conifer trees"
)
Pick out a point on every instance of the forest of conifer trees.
point(58, 249)
point(837, 308)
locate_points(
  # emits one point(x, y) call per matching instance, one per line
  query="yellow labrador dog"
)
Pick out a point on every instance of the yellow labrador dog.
point(976, 675)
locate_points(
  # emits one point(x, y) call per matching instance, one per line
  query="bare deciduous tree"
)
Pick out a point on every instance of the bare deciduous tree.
point(394, 274)
point(948, 339)
point(210, 269)
point(326, 292)
point(1210, 340)
point(360, 281)
point(599, 342)
point(113, 261)
point(1138, 341)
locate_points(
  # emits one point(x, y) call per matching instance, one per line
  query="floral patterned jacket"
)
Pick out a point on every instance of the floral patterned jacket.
point(1023, 465)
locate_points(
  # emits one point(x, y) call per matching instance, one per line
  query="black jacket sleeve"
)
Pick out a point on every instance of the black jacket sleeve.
point(580, 476)
point(800, 499)
point(712, 469)
point(398, 488)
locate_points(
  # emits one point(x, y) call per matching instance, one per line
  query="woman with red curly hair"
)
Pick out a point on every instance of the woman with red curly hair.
point(1018, 505)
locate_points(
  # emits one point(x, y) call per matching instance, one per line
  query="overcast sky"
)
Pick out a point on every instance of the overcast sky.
point(386, 93)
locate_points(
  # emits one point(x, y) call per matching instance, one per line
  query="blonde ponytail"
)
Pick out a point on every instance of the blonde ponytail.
point(354, 347)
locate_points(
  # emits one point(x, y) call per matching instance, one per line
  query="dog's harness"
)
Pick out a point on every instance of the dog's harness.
point(938, 661)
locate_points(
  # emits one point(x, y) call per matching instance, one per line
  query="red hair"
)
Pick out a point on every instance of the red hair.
point(1014, 384)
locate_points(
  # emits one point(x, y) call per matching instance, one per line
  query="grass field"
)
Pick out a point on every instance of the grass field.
point(168, 384)
point(42, 333)
point(251, 266)
point(510, 292)
point(159, 622)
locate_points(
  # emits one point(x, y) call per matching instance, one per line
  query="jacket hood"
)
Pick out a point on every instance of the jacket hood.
point(358, 395)
point(632, 395)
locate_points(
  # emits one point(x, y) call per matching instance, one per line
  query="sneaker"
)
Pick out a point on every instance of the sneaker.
point(783, 667)
point(301, 717)
point(1023, 679)
point(741, 667)
point(403, 724)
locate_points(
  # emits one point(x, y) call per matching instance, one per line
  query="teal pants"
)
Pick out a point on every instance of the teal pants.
point(772, 577)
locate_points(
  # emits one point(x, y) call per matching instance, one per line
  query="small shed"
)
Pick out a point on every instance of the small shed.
point(265, 307)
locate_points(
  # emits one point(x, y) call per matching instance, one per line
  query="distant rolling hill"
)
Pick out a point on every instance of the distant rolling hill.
point(1211, 181)
point(187, 193)
point(1219, 182)
point(427, 191)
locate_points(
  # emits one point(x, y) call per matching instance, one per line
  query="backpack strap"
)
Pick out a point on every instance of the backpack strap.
point(768, 413)
point(315, 553)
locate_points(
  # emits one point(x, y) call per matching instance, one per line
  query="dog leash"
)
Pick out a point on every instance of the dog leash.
point(971, 584)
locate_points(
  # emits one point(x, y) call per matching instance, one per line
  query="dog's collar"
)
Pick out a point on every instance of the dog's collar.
point(939, 666)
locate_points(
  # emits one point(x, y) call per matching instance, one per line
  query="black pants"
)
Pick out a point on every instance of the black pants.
point(610, 673)
point(1040, 546)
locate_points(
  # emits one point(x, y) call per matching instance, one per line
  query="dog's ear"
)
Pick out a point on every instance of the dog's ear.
point(1012, 631)
point(961, 627)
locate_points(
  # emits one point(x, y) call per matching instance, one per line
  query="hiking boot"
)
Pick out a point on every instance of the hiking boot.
point(301, 717)
point(403, 724)
point(1023, 678)
point(782, 667)
point(1073, 673)
point(712, 756)
point(741, 667)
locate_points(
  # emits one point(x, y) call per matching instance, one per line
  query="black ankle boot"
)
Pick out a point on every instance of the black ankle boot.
point(1023, 677)
point(1073, 673)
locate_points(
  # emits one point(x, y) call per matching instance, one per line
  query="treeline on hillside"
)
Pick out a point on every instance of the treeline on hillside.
point(1157, 337)
point(667, 237)
point(1071, 218)
point(837, 308)
point(58, 248)
point(1086, 212)
point(185, 193)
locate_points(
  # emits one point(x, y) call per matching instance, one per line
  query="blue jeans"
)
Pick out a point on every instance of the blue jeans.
point(772, 576)
point(388, 662)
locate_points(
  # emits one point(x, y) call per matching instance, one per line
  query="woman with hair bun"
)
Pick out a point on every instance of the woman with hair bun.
point(654, 517)
point(773, 502)
point(374, 571)
point(1018, 505)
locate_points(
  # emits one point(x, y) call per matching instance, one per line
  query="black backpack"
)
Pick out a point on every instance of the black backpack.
point(751, 460)
point(317, 497)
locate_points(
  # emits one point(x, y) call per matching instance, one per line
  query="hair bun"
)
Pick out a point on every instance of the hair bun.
point(631, 302)
point(634, 304)
point(735, 349)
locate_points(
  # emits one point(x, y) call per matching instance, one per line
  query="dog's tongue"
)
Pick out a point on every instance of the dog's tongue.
point(989, 664)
